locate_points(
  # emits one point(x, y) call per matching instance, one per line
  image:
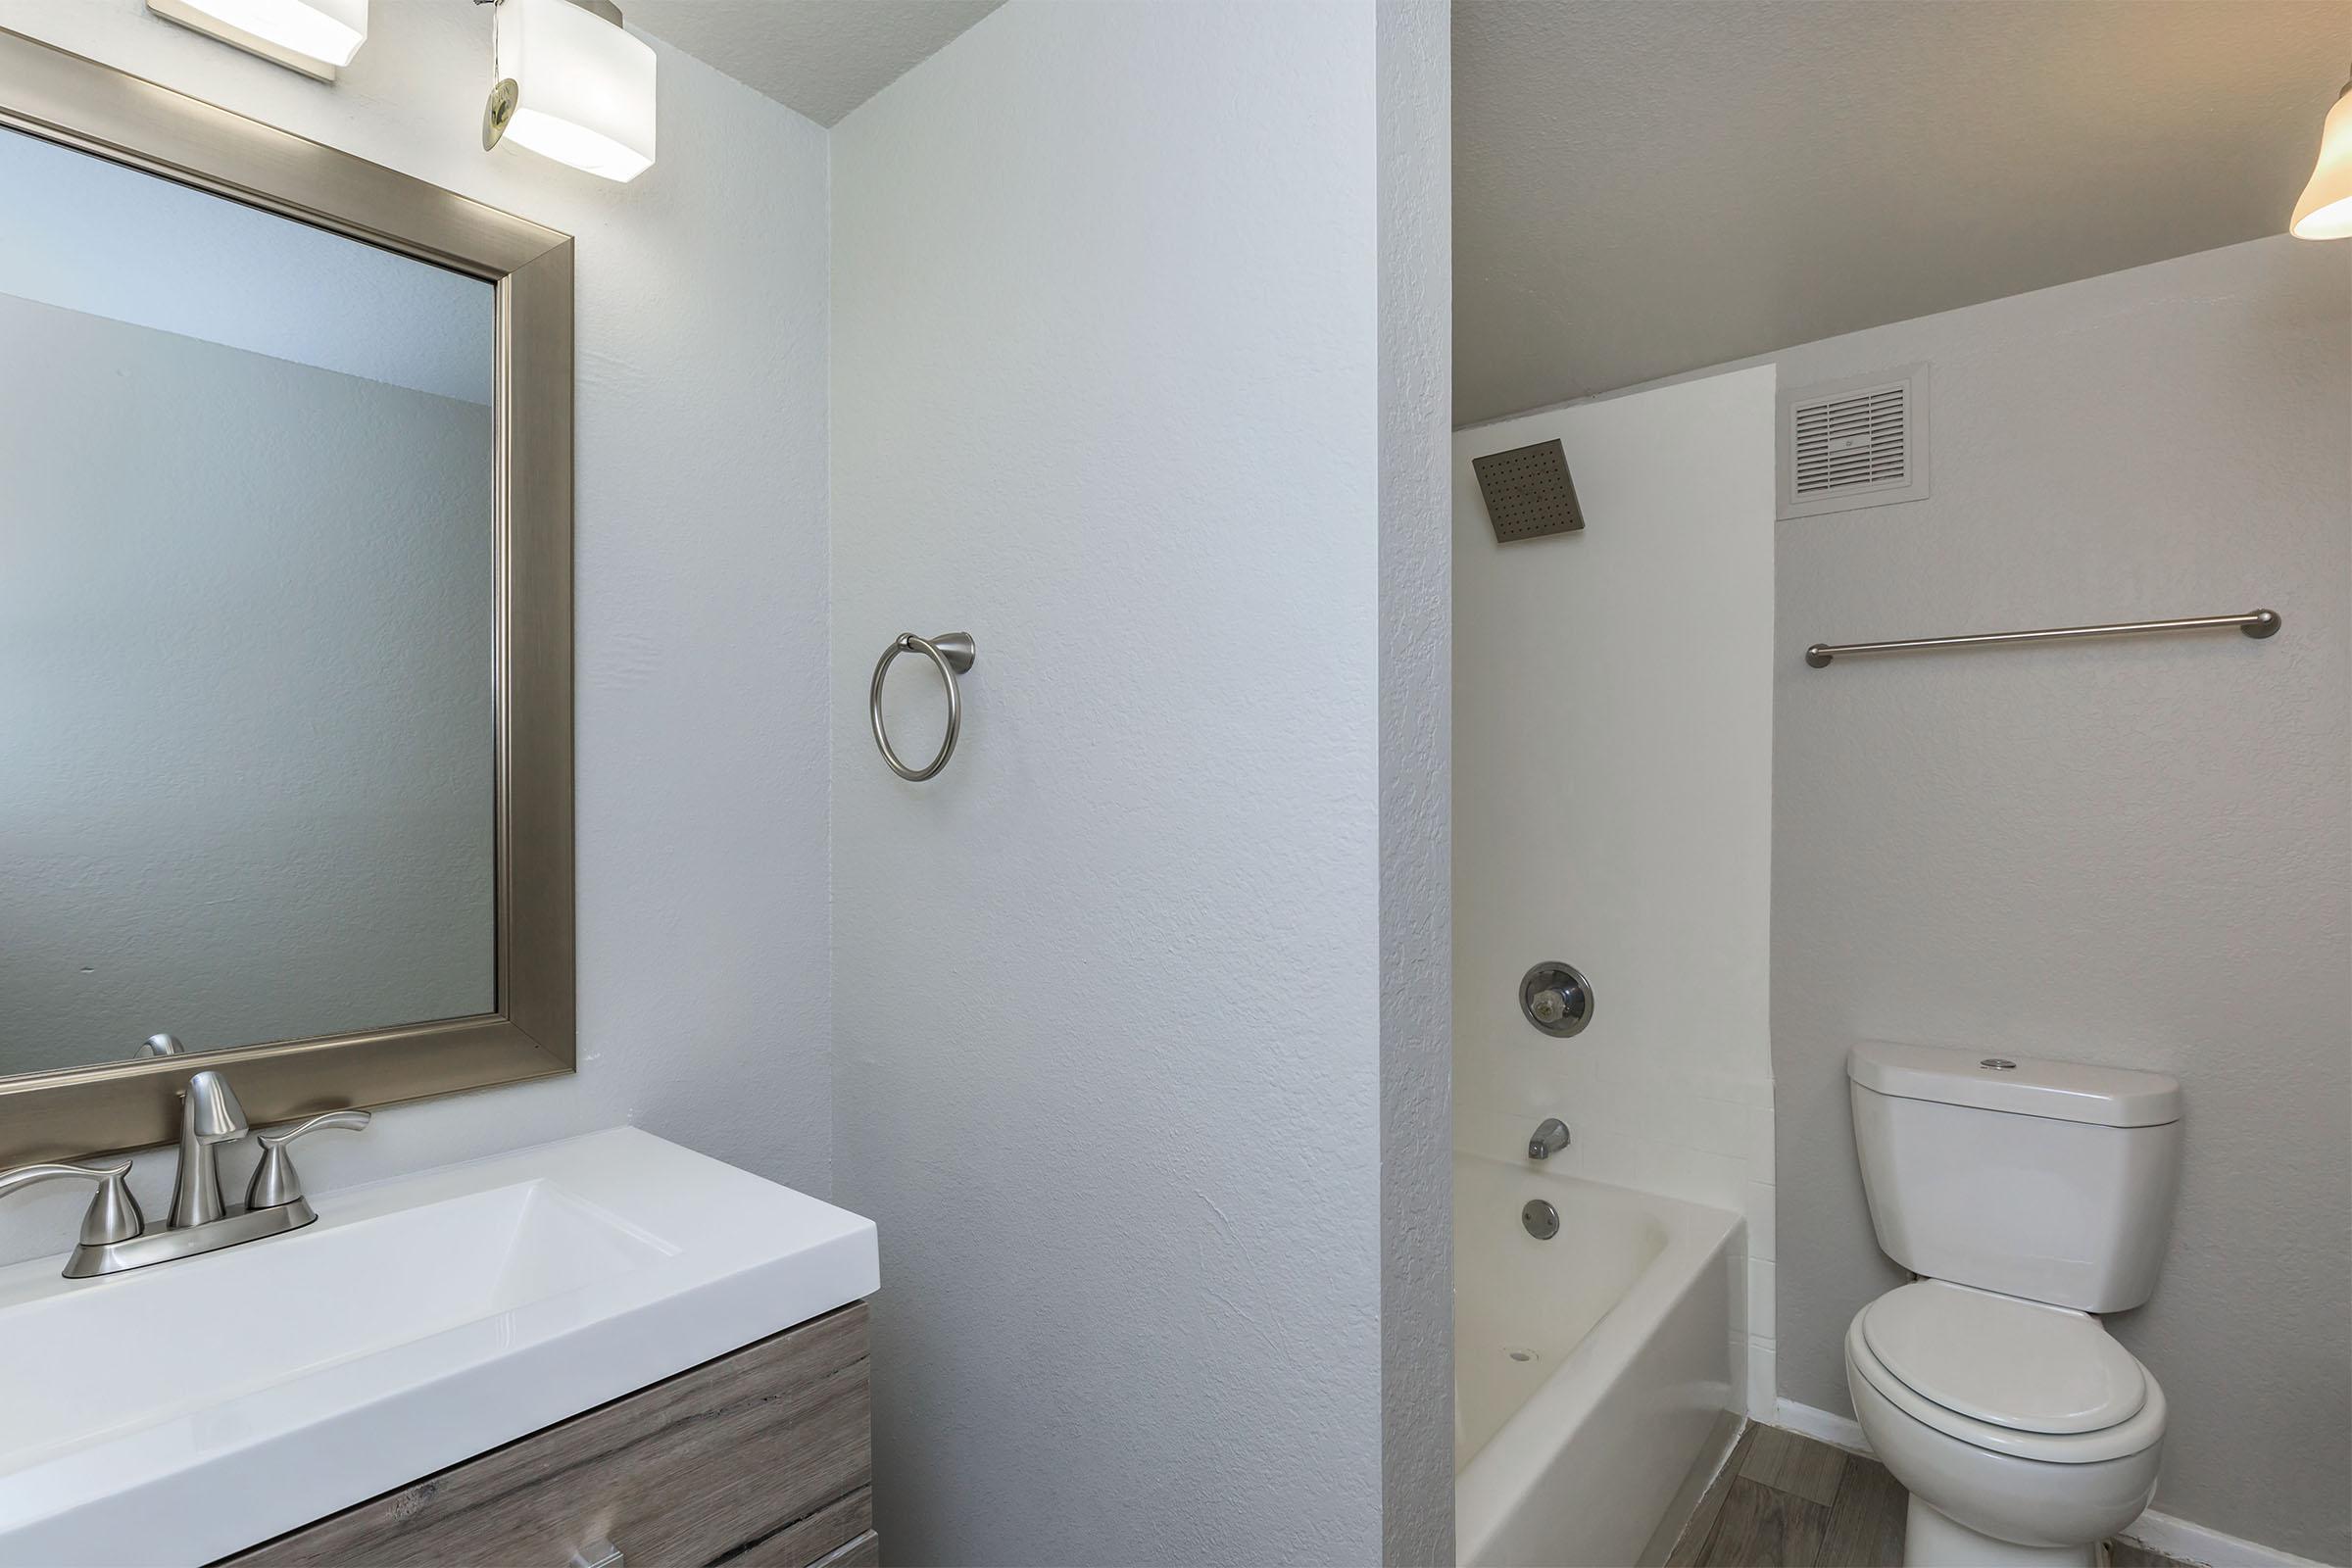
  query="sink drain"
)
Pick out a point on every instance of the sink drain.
point(1520, 1354)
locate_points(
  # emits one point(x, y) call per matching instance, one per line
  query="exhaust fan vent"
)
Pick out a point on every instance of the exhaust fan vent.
point(1528, 492)
point(1855, 443)
point(1858, 443)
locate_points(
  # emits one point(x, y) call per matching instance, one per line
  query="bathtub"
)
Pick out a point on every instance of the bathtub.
point(1592, 1372)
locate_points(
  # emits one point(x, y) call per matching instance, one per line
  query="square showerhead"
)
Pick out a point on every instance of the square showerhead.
point(1528, 492)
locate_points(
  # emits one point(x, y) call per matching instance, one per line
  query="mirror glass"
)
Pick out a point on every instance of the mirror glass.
point(248, 623)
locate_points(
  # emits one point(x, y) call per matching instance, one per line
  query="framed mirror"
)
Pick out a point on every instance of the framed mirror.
point(285, 620)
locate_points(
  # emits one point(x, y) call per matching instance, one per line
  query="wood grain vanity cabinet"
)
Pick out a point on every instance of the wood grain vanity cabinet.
point(759, 1459)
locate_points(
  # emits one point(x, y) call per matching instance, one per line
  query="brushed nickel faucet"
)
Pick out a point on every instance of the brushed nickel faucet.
point(115, 1234)
point(209, 1116)
point(1550, 1139)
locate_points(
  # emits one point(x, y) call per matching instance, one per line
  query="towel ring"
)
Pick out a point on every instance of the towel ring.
point(952, 653)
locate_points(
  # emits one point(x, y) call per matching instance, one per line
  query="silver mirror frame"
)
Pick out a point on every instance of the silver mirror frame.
point(78, 1112)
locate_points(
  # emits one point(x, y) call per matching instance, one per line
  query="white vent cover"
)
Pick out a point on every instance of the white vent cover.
point(1854, 443)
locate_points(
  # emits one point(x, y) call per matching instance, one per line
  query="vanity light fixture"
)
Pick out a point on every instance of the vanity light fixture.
point(2325, 209)
point(312, 36)
point(572, 85)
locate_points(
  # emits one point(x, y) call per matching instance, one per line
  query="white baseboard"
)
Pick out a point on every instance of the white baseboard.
point(1837, 1431)
point(2193, 1542)
point(2158, 1532)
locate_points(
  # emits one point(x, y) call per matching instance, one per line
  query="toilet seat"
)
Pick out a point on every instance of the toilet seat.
point(2012, 1363)
point(1981, 1351)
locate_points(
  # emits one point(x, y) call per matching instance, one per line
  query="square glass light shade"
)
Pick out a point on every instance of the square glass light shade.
point(584, 89)
point(329, 32)
point(2325, 209)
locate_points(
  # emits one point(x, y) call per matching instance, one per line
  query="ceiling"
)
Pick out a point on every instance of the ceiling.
point(1643, 187)
point(820, 57)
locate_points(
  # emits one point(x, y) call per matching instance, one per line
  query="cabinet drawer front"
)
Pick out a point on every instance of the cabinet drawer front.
point(751, 1457)
point(829, 1537)
point(863, 1552)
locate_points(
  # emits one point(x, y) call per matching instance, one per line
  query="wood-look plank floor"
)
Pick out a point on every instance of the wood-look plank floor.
point(1788, 1501)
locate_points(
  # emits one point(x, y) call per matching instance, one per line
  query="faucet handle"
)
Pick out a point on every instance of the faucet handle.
point(113, 1215)
point(276, 1182)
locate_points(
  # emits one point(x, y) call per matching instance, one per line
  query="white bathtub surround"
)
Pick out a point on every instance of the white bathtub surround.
point(1594, 1368)
point(1613, 810)
point(1696, 1137)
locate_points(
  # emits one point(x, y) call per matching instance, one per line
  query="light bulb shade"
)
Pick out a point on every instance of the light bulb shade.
point(2325, 209)
point(584, 87)
point(328, 31)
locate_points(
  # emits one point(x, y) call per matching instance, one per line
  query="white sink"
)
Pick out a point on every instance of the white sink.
point(180, 1412)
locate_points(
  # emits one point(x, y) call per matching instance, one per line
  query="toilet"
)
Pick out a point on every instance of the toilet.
point(2028, 1197)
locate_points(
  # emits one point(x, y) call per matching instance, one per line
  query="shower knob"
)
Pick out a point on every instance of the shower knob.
point(1556, 998)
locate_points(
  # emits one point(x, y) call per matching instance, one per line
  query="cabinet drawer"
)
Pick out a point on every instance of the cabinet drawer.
point(760, 1457)
point(863, 1552)
point(837, 1536)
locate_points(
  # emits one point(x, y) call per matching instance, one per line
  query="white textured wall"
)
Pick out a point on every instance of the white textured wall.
point(246, 683)
point(701, 581)
point(1108, 992)
point(1417, 808)
point(2129, 853)
point(1612, 790)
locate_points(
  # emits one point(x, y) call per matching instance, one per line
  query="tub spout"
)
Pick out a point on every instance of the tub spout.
point(1550, 1139)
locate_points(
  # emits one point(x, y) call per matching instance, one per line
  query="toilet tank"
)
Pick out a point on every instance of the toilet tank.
point(2047, 1180)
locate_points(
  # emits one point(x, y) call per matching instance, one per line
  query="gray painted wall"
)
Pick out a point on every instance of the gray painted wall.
point(699, 581)
point(1107, 393)
point(2129, 853)
point(247, 631)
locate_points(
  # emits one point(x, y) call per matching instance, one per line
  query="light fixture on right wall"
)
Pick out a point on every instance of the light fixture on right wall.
point(571, 84)
point(2325, 209)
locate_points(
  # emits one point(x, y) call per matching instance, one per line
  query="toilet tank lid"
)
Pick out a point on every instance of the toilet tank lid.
point(2022, 1086)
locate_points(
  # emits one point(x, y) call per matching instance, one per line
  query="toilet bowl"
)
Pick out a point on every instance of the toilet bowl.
point(2024, 1432)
